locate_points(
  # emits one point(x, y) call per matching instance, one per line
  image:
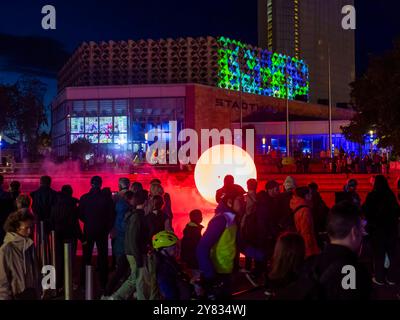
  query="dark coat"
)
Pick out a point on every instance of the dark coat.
point(43, 200)
point(382, 213)
point(156, 221)
point(121, 208)
point(339, 256)
point(64, 218)
point(97, 213)
point(260, 228)
point(137, 238)
point(285, 219)
point(225, 189)
point(190, 240)
point(321, 278)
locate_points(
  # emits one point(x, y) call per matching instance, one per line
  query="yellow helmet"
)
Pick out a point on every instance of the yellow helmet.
point(164, 239)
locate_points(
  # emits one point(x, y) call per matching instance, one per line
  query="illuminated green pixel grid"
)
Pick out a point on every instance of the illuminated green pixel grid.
point(254, 70)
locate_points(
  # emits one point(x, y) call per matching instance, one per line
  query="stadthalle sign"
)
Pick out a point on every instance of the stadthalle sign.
point(246, 106)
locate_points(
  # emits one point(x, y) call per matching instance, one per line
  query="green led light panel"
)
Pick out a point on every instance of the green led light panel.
point(258, 71)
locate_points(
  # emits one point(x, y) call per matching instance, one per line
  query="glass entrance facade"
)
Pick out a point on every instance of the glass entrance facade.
point(114, 126)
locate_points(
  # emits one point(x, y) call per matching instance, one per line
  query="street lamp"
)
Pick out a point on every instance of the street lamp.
point(330, 98)
point(1, 156)
point(287, 113)
point(240, 87)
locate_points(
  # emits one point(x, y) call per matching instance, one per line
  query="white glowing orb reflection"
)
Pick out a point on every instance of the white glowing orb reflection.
point(219, 161)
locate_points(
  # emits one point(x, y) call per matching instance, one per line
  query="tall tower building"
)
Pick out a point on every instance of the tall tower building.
point(312, 30)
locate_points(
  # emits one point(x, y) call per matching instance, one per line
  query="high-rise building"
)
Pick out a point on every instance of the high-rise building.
point(311, 30)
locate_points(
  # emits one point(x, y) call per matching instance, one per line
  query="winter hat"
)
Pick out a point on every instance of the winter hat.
point(289, 183)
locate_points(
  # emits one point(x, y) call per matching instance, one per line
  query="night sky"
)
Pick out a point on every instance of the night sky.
point(26, 48)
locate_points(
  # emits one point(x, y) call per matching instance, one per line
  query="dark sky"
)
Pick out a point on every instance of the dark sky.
point(26, 48)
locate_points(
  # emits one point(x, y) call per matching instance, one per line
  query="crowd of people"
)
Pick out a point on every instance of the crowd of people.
point(295, 247)
point(340, 161)
point(349, 162)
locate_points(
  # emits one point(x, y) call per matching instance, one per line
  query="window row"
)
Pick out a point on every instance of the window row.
point(106, 125)
point(120, 139)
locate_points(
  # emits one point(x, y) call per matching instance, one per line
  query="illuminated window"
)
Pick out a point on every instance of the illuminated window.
point(106, 124)
point(120, 124)
point(75, 137)
point(77, 125)
point(105, 138)
point(91, 125)
point(120, 138)
point(93, 138)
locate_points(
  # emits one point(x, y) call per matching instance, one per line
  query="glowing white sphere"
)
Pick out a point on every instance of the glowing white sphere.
point(219, 161)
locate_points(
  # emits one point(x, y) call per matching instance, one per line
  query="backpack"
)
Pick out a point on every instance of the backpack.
point(287, 224)
point(248, 227)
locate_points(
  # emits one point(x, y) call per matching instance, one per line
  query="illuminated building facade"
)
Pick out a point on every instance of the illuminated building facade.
point(219, 62)
point(113, 93)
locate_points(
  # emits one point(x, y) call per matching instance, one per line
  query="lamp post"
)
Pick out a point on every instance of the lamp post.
point(1, 157)
point(330, 99)
point(287, 114)
point(240, 88)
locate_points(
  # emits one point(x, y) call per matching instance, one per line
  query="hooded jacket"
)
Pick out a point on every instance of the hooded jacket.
point(209, 252)
point(19, 269)
point(190, 241)
point(137, 238)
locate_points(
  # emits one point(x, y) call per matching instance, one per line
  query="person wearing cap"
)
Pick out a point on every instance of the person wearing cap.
point(217, 248)
point(172, 282)
point(351, 188)
point(96, 211)
point(303, 220)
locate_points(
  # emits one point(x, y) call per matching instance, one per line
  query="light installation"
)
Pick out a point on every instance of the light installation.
point(254, 70)
point(217, 162)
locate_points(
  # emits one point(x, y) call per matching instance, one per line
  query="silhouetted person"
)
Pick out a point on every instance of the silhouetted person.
point(42, 201)
point(346, 232)
point(15, 189)
point(382, 213)
point(229, 185)
point(96, 212)
point(319, 212)
point(65, 223)
point(351, 188)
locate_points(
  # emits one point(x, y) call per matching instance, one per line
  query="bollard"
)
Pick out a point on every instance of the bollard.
point(53, 249)
point(89, 283)
point(37, 241)
point(42, 245)
point(67, 272)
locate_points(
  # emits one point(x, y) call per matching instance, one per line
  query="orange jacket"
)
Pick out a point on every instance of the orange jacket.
point(304, 225)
